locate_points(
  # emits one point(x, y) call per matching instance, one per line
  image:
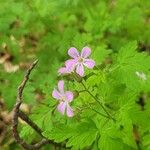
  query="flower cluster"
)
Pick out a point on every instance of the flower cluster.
point(77, 61)
point(75, 64)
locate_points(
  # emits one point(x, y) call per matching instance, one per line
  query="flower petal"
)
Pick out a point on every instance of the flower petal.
point(61, 86)
point(70, 64)
point(69, 111)
point(86, 51)
point(69, 96)
point(73, 52)
point(80, 70)
point(89, 63)
point(62, 70)
point(56, 94)
point(61, 107)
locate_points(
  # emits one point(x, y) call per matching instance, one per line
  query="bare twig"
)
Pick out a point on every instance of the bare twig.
point(24, 117)
point(17, 113)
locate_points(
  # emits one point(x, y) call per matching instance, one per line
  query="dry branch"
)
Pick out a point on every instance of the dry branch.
point(17, 113)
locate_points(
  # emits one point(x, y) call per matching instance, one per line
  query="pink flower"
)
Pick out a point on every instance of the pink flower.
point(64, 99)
point(65, 70)
point(78, 60)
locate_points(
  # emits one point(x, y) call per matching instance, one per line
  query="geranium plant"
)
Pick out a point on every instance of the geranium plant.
point(98, 107)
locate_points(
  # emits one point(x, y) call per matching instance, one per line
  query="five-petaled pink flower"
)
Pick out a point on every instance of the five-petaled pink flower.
point(78, 60)
point(64, 99)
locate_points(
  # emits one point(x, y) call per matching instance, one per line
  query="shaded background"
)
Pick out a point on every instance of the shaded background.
point(45, 29)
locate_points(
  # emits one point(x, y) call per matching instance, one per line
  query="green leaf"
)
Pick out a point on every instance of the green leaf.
point(110, 139)
point(79, 136)
point(109, 143)
point(100, 53)
point(128, 62)
point(27, 133)
point(59, 133)
point(84, 136)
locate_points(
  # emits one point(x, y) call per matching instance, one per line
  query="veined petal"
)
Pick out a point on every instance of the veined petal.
point(61, 107)
point(70, 64)
point(86, 51)
point(56, 94)
point(69, 96)
point(89, 63)
point(80, 69)
point(69, 111)
point(61, 86)
point(73, 52)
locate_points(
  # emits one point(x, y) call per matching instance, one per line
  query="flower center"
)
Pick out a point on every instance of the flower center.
point(80, 59)
point(63, 98)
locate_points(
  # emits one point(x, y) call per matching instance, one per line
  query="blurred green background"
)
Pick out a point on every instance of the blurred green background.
point(45, 29)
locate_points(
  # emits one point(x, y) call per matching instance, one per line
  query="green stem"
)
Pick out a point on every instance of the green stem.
point(98, 112)
point(114, 68)
point(98, 101)
point(82, 91)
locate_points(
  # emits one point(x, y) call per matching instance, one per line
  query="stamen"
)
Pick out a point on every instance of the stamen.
point(63, 98)
point(80, 59)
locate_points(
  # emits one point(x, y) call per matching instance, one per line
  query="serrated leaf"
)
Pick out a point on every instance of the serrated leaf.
point(84, 136)
point(59, 133)
point(100, 53)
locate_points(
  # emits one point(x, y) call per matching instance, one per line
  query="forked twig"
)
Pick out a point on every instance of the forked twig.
point(17, 113)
